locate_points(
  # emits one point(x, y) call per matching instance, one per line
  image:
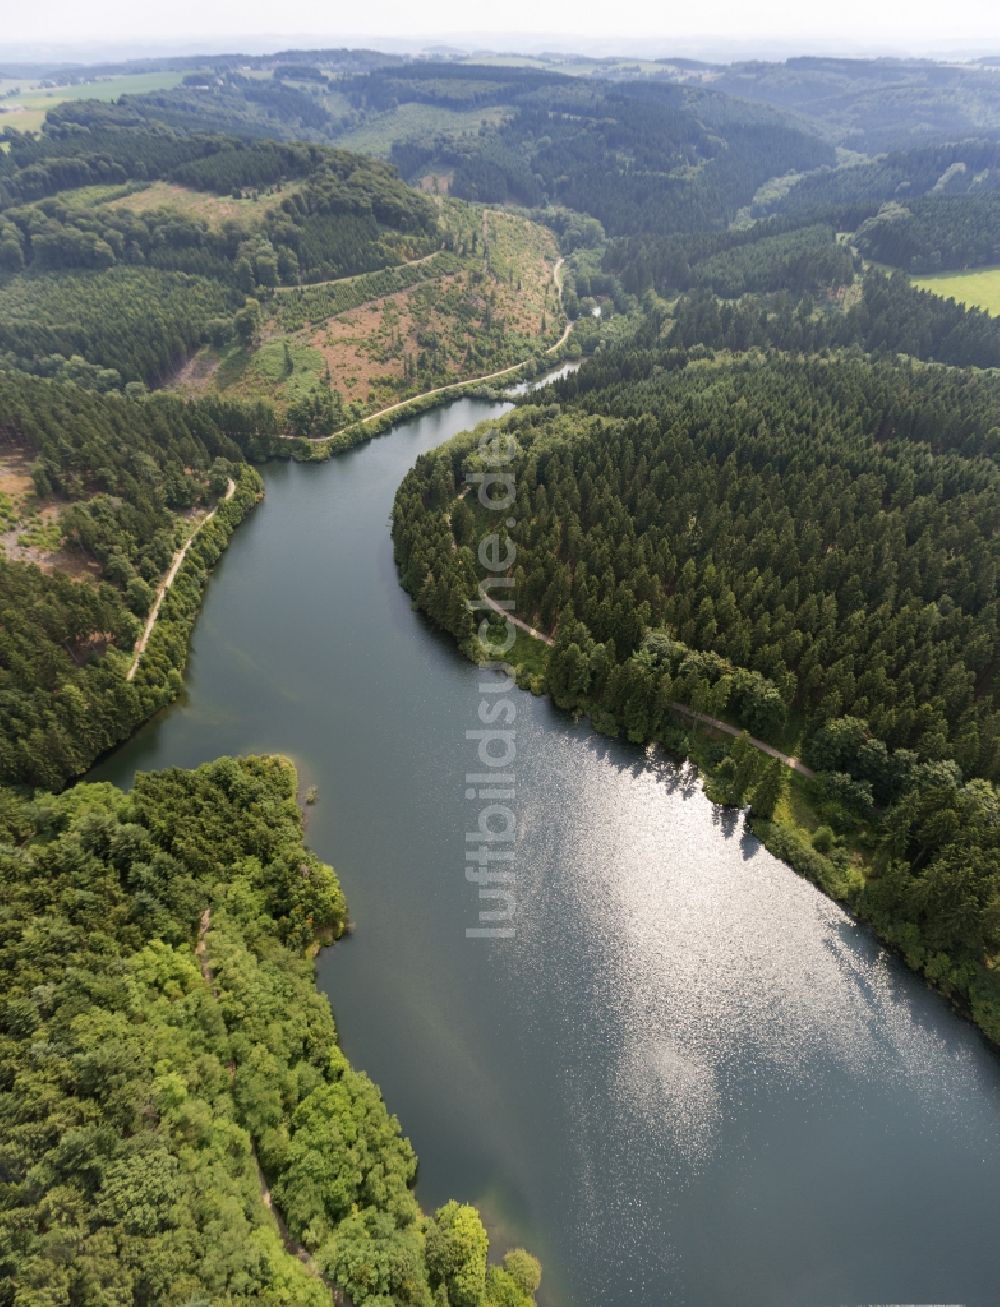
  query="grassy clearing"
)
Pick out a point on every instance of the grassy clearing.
point(417, 121)
point(271, 372)
point(979, 288)
point(27, 112)
point(41, 531)
point(775, 188)
point(436, 181)
point(8, 514)
point(212, 209)
point(91, 197)
point(531, 658)
point(570, 66)
point(505, 61)
point(336, 102)
point(30, 531)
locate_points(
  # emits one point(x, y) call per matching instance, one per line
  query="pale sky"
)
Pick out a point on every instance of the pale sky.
point(906, 24)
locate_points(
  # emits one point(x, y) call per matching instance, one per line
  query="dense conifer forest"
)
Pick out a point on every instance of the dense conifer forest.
point(647, 157)
point(128, 479)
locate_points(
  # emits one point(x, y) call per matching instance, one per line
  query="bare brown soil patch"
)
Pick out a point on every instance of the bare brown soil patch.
point(15, 474)
point(436, 183)
point(195, 376)
point(366, 345)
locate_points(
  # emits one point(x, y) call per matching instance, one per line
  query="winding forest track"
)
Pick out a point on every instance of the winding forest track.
point(291, 1245)
point(336, 281)
point(168, 580)
point(703, 719)
point(788, 759)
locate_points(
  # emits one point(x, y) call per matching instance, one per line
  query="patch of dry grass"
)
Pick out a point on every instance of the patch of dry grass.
point(212, 209)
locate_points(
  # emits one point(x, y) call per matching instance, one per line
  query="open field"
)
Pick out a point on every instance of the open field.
point(30, 528)
point(27, 112)
point(571, 66)
point(90, 197)
point(412, 121)
point(978, 289)
point(212, 209)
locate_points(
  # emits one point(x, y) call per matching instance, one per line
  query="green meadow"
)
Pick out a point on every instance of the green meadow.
point(979, 288)
point(36, 101)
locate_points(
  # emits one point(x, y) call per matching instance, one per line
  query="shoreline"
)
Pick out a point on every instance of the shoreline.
point(168, 636)
point(769, 833)
point(169, 578)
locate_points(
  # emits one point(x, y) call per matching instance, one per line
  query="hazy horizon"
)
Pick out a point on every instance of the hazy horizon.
point(116, 29)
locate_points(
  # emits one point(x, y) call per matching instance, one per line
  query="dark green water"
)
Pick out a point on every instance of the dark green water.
point(688, 1077)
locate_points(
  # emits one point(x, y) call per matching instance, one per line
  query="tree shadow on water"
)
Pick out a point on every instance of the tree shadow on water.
point(750, 845)
point(727, 820)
